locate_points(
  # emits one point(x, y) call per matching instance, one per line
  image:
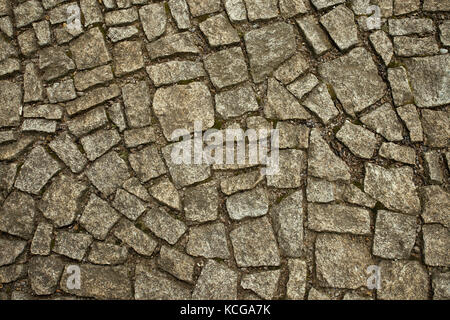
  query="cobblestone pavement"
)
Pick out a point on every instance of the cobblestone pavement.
point(88, 186)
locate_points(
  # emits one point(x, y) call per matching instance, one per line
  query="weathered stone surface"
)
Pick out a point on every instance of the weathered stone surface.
point(341, 261)
point(410, 117)
point(179, 106)
point(436, 5)
point(264, 283)
point(405, 46)
point(68, 152)
point(147, 163)
point(216, 282)
point(359, 140)
point(180, 12)
point(268, 47)
point(12, 273)
point(436, 240)
point(89, 50)
point(340, 24)
point(436, 128)
point(403, 280)
point(226, 67)
point(444, 29)
point(405, 6)
point(165, 192)
point(208, 240)
point(164, 225)
point(289, 70)
point(178, 43)
point(137, 102)
point(441, 286)
point(11, 249)
point(101, 282)
point(401, 89)
point(383, 45)
point(236, 102)
point(322, 4)
point(433, 166)
point(184, 174)
point(92, 98)
point(429, 80)
point(89, 78)
point(99, 142)
point(254, 203)
point(384, 121)
point(201, 202)
point(108, 173)
point(397, 152)
point(107, 253)
point(139, 136)
point(44, 274)
point(296, 285)
point(408, 26)
point(12, 150)
point(292, 164)
point(154, 20)
point(202, 7)
point(27, 12)
point(42, 239)
point(10, 103)
point(344, 75)
point(236, 10)
point(314, 34)
point(123, 16)
point(304, 85)
point(61, 201)
point(71, 244)
point(117, 34)
point(394, 188)
point(219, 31)
point(292, 135)
point(177, 264)
point(151, 284)
point(322, 162)
point(37, 169)
point(290, 8)
point(436, 205)
point(261, 9)
point(287, 217)
point(319, 190)
point(54, 62)
point(137, 239)
point(355, 195)
point(127, 57)
point(254, 244)
point(281, 104)
point(175, 71)
point(338, 218)
point(395, 235)
point(128, 204)
point(98, 217)
point(244, 181)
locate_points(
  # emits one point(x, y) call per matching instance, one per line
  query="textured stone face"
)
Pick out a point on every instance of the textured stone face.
point(344, 74)
point(127, 150)
point(342, 261)
point(264, 48)
point(177, 107)
point(90, 50)
point(392, 187)
point(430, 76)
